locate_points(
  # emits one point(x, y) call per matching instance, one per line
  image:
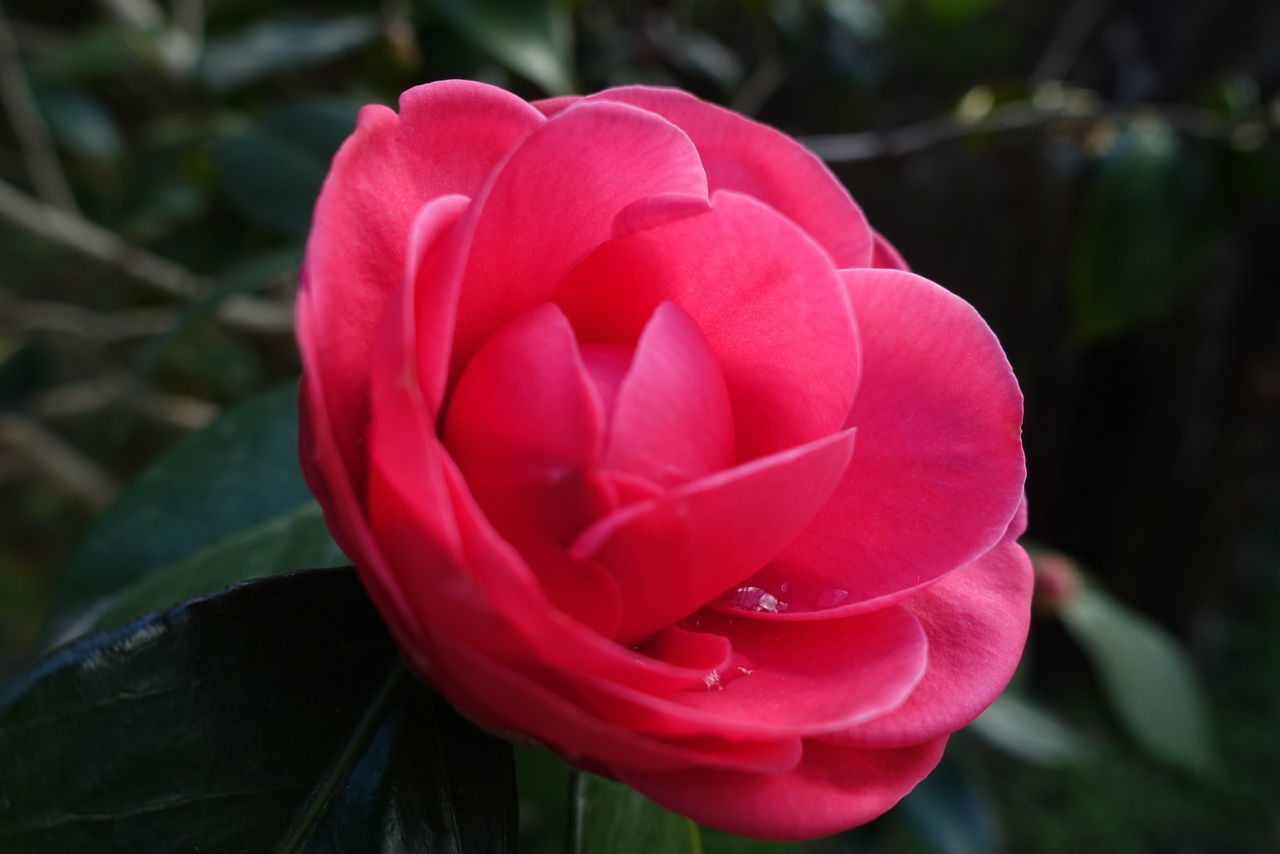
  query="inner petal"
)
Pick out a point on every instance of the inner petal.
point(673, 420)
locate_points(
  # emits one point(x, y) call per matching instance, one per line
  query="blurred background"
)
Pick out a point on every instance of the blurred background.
point(1101, 178)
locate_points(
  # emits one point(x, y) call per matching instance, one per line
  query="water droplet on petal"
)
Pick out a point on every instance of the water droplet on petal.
point(754, 599)
point(712, 681)
point(832, 597)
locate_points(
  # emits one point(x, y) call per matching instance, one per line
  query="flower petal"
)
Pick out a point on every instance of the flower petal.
point(885, 254)
point(448, 138)
point(525, 428)
point(939, 469)
point(751, 281)
point(554, 200)
point(673, 554)
point(832, 789)
point(800, 678)
point(746, 156)
point(976, 620)
point(672, 422)
point(503, 698)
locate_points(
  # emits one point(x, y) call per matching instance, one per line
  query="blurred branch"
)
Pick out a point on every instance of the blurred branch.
point(46, 453)
point(29, 126)
point(1051, 106)
point(102, 328)
point(78, 398)
point(79, 234)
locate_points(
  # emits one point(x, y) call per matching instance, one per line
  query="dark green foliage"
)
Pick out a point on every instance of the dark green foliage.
point(275, 716)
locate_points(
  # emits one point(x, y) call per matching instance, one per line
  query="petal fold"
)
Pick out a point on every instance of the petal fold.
point(745, 156)
point(773, 311)
point(832, 789)
point(448, 139)
point(554, 199)
point(673, 420)
point(673, 554)
point(939, 470)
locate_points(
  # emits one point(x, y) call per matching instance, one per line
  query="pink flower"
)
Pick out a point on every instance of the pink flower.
point(649, 448)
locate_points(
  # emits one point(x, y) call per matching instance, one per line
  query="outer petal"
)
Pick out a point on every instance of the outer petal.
point(832, 789)
point(554, 200)
point(503, 698)
point(886, 255)
point(550, 106)
point(751, 158)
point(448, 139)
point(806, 678)
point(763, 294)
point(673, 554)
point(976, 620)
point(939, 469)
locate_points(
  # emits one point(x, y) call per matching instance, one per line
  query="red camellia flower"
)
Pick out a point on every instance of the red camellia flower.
point(650, 449)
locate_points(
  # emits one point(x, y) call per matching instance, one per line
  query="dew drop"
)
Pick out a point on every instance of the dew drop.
point(832, 597)
point(755, 599)
point(712, 681)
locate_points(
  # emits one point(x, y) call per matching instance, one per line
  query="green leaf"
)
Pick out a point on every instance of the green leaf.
point(956, 12)
point(953, 812)
point(718, 842)
point(1146, 676)
point(543, 781)
point(1144, 235)
point(271, 180)
point(239, 473)
point(80, 122)
point(612, 817)
point(273, 172)
point(273, 717)
point(533, 37)
point(278, 545)
point(247, 276)
point(289, 45)
point(1027, 731)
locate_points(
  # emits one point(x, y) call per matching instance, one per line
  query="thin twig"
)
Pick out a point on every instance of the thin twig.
point(48, 454)
point(79, 234)
point(33, 134)
point(1021, 115)
point(98, 327)
point(92, 395)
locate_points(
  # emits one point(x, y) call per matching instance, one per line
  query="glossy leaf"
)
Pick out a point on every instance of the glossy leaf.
point(1025, 730)
point(80, 122)
point(280, 544)
point(237, 473)
point(1148, 679)
point(615, 818)
point(273, 717)
point(279, 45)
point(273, 172)
point(271, 180)
point(1145, 231)
point(532, 38)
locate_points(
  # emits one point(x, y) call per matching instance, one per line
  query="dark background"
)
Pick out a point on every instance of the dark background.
point(1101, 179)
